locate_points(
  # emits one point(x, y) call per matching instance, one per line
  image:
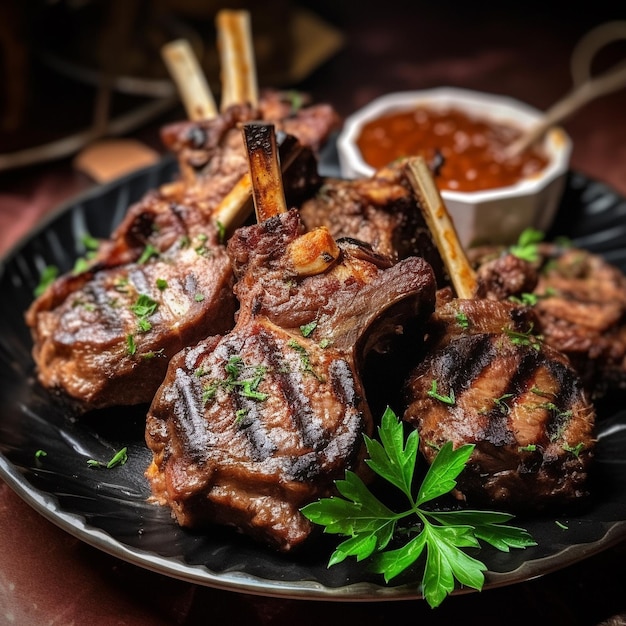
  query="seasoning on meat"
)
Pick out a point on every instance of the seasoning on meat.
point(251, 425)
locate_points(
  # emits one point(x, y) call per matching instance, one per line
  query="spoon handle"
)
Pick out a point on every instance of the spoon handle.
point(586, 87)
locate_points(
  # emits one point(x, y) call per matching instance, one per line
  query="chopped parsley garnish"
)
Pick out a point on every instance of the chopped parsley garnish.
point(241, 377)
point(148, 253)
point(119, 458)
point(462, 320)
point(501, 403)
point(80, 265)
point(307, 329)
point(161, 284)
point(432, 392)
point(91, 244)
point(305, 359)
point(152, 354)
point(47, 277)
point(145, 306)
point(40, 453)
point(575, 450)
point(525, 299)
point(221, 231)
point(526, 246)
point(131, 346)
point(372, 527)
point(295, 99)
point(520, 338)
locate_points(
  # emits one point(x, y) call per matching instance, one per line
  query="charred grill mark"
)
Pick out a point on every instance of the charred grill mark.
point(190, 418)
point(246, 414)
point(342, 381)
point(109, 316)
point(567, 395)
point(498, 430)
point(525, 371)
point(138, 278)
point(464, 360)
point(298, 406)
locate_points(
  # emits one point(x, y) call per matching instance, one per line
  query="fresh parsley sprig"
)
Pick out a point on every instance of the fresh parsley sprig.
point(526, 246)
point(371, 526)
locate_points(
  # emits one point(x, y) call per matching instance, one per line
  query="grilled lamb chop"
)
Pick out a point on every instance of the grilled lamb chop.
point(104, 336)
point(580, 306)
point(517, 400)
point(212, 155)
point(487, 380)
point(250, 426)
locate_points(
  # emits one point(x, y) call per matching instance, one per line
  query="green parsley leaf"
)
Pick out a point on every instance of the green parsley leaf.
point(307, 329)
point(90, 243)
point(40, 453)
point(305, 359)
point(525, 299)
point(144, 306)
point(221, 231)
point(148, 252)
point(370, 526)
point(131, 346)
point(432, 392)
point(519, 338)
point(462, 320)
point(47, 277)
point(161, 284)
point(526, 246)
point(119, 458)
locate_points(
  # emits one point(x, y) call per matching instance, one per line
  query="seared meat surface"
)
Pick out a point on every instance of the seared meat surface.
point(580, 306)
point(380, 210)
point(104, 336)
point(249, 427)
point(212, 155)
point(487, 380)
point(582, 312)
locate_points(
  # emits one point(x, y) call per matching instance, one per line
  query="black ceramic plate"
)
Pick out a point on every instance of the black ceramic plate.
point(108, 508)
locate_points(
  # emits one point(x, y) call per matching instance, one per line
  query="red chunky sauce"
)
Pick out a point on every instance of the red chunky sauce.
point(472, 149)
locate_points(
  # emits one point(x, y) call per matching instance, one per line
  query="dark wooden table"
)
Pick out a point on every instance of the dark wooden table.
point(49, 577)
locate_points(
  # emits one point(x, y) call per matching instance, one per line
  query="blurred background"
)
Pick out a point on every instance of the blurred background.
point(75, 71)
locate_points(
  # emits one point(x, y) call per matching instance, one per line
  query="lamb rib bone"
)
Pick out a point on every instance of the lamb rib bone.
point(442, 228)
point(315, 251)
point(267, 185)
point(189, 79)
point(236, 50)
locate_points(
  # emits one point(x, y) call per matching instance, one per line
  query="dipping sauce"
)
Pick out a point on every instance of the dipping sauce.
point(472, 150)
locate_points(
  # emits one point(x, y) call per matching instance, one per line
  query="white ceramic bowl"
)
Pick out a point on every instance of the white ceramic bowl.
point(492, 216)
